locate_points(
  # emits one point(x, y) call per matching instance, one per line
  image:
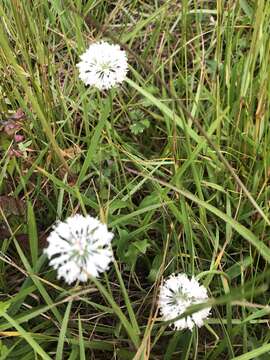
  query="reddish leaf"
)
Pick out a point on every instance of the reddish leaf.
point(19, 115)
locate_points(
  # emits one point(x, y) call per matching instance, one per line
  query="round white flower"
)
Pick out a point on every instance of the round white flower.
point(78, 247)
point(103, 65)
point(177, 293)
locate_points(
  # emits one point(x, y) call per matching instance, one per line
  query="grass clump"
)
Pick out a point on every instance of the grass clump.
point(175, 160)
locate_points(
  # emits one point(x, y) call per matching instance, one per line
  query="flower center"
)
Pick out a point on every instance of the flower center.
point(180, 297)
point(106, 66)
point(79, 248)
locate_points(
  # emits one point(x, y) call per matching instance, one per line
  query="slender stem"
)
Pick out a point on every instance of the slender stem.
point(128, 327)
point(131, 313)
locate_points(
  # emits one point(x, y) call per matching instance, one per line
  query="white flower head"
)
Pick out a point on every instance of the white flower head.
point(103, 65)
point(78, 247)
point(177, 293)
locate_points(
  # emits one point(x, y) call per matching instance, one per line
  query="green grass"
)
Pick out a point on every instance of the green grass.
point(189, 193)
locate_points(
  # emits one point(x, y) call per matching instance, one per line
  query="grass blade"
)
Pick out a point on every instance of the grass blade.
point(32, 232)
point(35, 346)
point(62, 335)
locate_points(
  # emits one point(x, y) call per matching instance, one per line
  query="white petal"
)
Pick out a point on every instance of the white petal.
point(103, 65)
point(177, 293)
point(78, 247)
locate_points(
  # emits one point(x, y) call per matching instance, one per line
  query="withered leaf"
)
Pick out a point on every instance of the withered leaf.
point(12, 206)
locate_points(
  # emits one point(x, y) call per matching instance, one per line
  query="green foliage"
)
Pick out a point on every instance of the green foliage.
point(139, 126)
point(136, 158)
